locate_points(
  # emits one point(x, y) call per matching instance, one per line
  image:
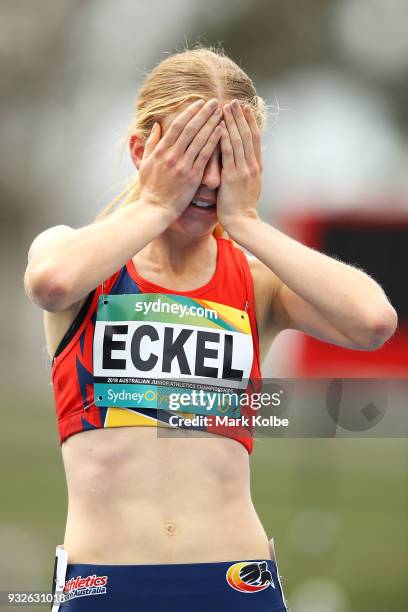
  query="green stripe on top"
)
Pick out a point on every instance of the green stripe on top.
point(166, 308)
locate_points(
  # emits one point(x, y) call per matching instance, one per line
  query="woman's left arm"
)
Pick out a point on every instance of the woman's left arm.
point(326, 298)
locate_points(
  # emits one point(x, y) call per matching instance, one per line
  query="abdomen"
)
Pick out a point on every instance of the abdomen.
point(138, 497)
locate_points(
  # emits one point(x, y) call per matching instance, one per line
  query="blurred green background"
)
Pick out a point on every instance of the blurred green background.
point(336, 70)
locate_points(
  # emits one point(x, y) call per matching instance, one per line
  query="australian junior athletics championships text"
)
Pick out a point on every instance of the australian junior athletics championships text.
point(177, 309)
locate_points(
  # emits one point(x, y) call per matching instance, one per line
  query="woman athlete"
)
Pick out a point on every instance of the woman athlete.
point(166, 523)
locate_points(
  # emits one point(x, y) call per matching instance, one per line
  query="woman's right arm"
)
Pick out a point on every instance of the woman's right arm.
point(65, 264)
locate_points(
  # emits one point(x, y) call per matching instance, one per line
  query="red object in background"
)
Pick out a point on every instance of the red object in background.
point(378, 244)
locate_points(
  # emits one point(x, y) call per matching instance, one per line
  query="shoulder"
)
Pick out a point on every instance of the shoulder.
point(266, 288)
point(46, 236)
point(265, 281)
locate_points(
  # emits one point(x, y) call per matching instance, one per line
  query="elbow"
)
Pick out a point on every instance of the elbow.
point(378, 328)
point(47, 288)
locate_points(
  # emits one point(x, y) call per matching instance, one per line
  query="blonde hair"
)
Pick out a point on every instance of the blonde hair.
point(200, 72)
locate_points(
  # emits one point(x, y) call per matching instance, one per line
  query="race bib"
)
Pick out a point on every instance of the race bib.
point(148, 347)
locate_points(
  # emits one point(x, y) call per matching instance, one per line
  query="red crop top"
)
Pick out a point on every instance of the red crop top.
point(124, 336)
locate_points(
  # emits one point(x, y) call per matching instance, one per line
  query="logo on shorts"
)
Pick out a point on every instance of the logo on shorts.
point(249, 577)
point(83, 587)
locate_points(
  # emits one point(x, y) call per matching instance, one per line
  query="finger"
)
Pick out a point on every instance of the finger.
point(152, 140)
point(203, 135)
point(208, 149)
point(244, 131)
point(185, 126)
point(179, 123)
point(195, 125)
point(235, 138)
point(226, 149)
point(256, 135)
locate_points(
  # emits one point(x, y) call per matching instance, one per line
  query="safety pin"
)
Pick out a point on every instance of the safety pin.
point(88, 405)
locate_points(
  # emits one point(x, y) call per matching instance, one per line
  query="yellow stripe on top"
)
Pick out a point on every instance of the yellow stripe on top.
point(120, 417)
point(237, 318)
point(123, 417)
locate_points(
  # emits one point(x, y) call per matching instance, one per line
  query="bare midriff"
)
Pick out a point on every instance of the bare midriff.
point(137, 497)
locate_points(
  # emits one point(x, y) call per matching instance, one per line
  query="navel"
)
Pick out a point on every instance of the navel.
point(170, 528)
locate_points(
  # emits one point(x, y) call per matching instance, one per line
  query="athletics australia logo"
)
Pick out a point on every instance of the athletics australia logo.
point(82, 587)
point(249, 577)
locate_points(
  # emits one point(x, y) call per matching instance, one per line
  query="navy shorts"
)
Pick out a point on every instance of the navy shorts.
point(241, 586)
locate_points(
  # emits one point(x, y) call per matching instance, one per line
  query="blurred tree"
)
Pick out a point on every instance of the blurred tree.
point(273, 36)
